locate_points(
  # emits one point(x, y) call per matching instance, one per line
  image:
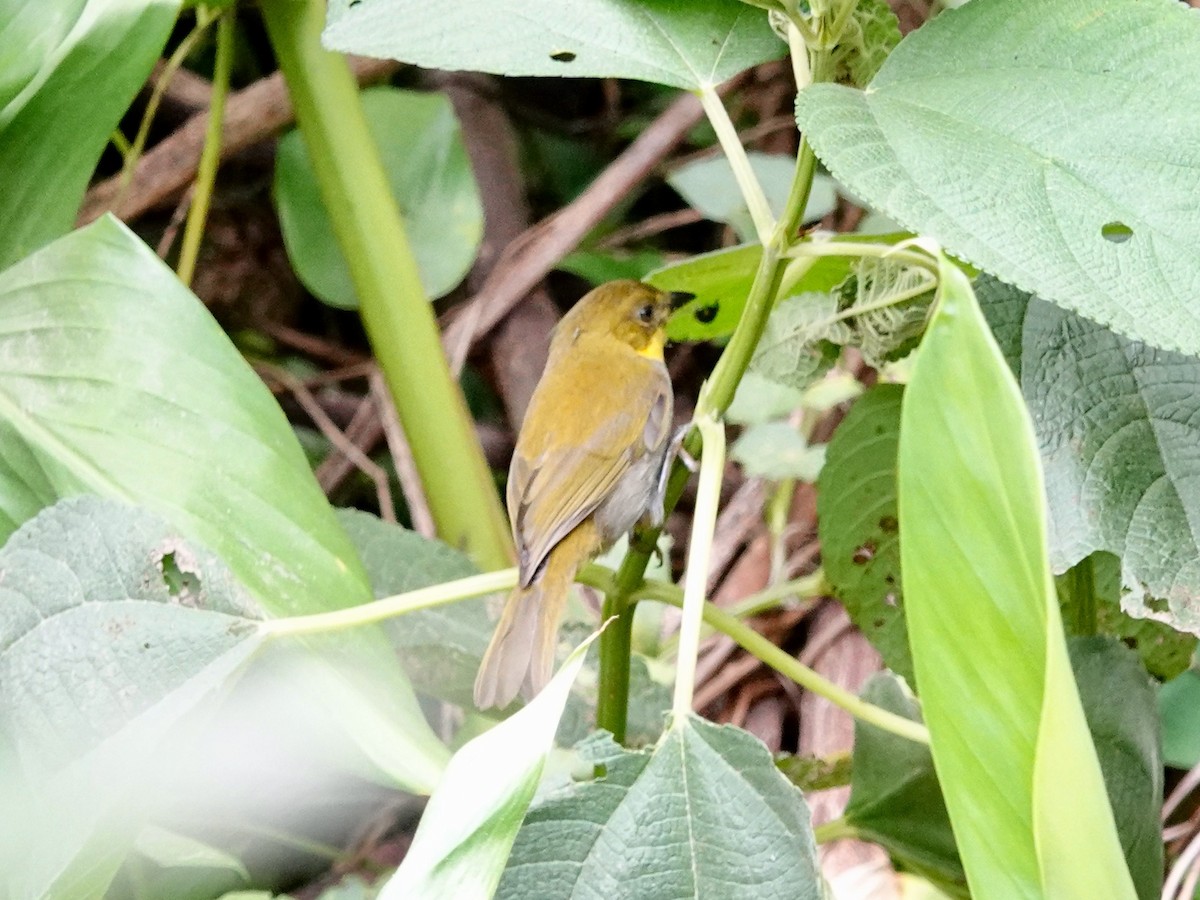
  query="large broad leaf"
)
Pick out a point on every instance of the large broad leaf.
point(421, 146)
point(1051, 143)
point(69, 71)
point(1009, 739)
point(113, 629)
point(684, 43)
point(472, 819)
point(1118, 426)
point(115, 380)
point(705, 814)
point(858, 525)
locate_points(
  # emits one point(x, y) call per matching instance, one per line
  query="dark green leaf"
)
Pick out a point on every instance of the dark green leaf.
point(1179, 709)
point(1118, 702)
point(858, 523)
point(895, 799)
point(441, 647)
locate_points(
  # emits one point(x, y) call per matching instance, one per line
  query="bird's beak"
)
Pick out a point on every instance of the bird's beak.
point(679, 298)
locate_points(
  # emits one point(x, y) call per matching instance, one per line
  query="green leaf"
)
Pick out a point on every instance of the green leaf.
point(721, 282)
point(1126, 734)
point(426, 162)
point(682, 43)
point(115, 380)
point(709, 187)
point(440, 648)
point(777, 450)
point(599, 266)
point(472, 819)
point(1117, 426)
point(704, 814)
point(760, 399)
point(1017, 766)
point(858, 523)
point(895, 800)
point(68, 74)
point(801, 340)
point(1163, 651)
point(1179, 709)
point(871, 34)
point(103, 655)
point(1049, 143)
point(172, 850)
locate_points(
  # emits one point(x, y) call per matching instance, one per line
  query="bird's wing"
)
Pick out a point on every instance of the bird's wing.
point(560, 476)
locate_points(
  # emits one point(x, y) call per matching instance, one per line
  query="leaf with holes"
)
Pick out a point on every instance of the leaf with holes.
point(116, 631)
point(1053, 144)
point(858, 525)
point(115, 380)
point(682, 43)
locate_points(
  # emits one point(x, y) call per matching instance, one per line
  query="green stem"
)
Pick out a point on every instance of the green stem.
point(892, 252)
point(396, 313)
point(806, 587)
point(389, 607)
point(704, 521)
point(787, 665)
point(210, 157)
point(204, 18)
point(735, 153)
point(1082, 587)
point(714, 399)
point(834, 830)
point(118, 140)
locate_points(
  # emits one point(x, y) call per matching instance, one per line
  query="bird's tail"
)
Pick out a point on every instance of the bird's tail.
point(520, 657)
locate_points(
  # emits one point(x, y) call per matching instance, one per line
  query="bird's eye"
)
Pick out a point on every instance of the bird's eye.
point(646, 313)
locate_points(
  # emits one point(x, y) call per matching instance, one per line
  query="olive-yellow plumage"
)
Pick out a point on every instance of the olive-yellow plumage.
point(587, 466)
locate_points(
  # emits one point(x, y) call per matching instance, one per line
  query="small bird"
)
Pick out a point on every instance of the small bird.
point(589, 463)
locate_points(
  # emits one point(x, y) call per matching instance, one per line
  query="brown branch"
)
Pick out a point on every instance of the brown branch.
point(253, 113)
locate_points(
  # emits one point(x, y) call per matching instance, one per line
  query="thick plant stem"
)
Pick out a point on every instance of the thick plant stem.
point(395, 311)
point(210, 157)
point(714, 399)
